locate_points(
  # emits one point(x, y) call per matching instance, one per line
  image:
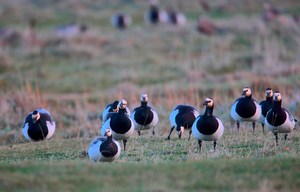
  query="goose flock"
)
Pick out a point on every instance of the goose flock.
point(119, 124)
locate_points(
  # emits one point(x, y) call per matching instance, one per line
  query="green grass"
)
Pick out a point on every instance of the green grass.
point(243, 161)
point(204, 175)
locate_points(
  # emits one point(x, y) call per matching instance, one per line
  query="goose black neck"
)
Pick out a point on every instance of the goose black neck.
point(277, 105)
point(143, 103)
point(209, 110)
point(109, 138)
point(248, 97)
point(269, 99)
point(122, 111)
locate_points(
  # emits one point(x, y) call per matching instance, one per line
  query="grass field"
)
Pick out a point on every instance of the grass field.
point(76, 77)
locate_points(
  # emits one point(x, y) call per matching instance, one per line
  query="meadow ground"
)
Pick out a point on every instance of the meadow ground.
point(76, 77)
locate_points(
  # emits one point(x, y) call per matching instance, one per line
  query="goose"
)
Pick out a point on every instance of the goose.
point(270, 13)
point(209, 27)
point(38, 125)
point(104, 148)
point(144, 117)
point(279, 119)
point(120, 123)
point(208, 127)
point(71, 30)
point(266, 105)
point(120, 21)
point(112, 107)
point(175, 18)
point(245, 109)
point(182, 117)
point(154, 15)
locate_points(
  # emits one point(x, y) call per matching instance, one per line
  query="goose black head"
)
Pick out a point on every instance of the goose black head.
point(247, 92)
point(277, 96)
point(269, 92)
point(144, 98)
point(122, 104)
point(208, 102)
point(35, 116)
point(108, 133)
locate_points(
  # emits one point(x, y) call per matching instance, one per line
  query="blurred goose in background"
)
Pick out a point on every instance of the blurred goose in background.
point(245, 108)
point(104, 148)
point(38, 125)
point(144, 117)
point(270, 13)
point(208, 127)
point(155, 15)
point(10, 37)
point(120, 123)
point(204, 5)
point(208, 27)
point(120, 21)
point(266, 105)
point(175, 18)
point(71, 30)
point(182, 117)
point(273, 14)
point(279, 119)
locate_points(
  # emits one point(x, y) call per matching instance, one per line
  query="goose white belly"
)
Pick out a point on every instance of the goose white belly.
point(286, 127)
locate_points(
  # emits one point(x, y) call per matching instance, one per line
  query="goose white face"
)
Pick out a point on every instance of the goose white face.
point(108, 132)
point(208, 102)
point(277, 96)
point(35, 116)
point(246, 91)
point(144, 98)
point(123, 104)
point(269, 92)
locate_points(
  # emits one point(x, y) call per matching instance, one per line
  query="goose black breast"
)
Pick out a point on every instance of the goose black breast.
point(245, 108)
point(154, 15)
point(143, 115)
point(120, 123)
point(121, 21)
point(39, 130)
point(276, 117)
point(108, 149)
point(265, 107)
point(207, 125)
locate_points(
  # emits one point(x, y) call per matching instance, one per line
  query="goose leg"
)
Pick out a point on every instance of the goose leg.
point(168, 138)
point(253, 126)
point(139, 132)
point(124, 143)
point(190, 134)
point(153, 132)
point(238, 125)
point(263, 127)
point(276, 138)
point(285, 136)
point(215, 144)
point(200, 144)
